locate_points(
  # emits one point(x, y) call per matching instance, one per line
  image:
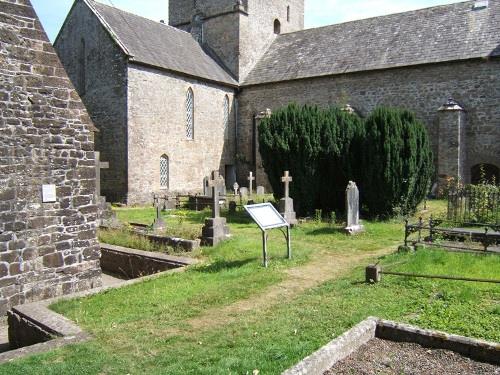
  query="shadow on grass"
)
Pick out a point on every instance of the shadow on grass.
point(221, 265)
point(325, 230)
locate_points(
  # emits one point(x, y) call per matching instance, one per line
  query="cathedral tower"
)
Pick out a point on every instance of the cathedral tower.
point(237, 31)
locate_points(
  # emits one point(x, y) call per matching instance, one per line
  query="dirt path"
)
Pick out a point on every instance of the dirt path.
point(326, 267)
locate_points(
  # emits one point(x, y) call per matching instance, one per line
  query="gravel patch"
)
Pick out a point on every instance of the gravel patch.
point(392, 358)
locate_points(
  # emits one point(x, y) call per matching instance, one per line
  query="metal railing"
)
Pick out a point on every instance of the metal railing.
point(474, 205)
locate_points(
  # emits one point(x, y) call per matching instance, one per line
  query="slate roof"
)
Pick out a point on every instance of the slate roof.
point(159, 45)
point(438, 34)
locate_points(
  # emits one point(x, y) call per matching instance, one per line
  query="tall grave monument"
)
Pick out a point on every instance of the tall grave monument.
point(352, 207)
point(286, 203)
point(215, 229)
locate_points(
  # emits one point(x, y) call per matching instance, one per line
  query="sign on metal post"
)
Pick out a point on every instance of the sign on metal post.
point(267, 218)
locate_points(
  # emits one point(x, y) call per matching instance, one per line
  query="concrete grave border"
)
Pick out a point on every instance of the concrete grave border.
point(343, 346)
point(36, 329)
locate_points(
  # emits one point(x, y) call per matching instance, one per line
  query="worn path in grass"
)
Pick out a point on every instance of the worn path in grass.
point(326, 266)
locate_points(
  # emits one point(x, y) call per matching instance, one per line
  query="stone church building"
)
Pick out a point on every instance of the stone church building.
point(173, 102)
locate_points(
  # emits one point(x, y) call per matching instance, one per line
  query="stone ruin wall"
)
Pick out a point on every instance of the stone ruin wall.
point(46, 249)
point(422, 89)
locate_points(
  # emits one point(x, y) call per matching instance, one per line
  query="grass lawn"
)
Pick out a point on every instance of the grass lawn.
point(231, 316)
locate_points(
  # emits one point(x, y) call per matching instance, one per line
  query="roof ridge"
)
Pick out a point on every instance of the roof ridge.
point(173, 28)
point(377, 17)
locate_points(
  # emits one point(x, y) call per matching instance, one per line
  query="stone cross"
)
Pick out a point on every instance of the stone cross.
point(286, 179)
point(235, 188)
point(251, 179)
point(98, 166)
point(215, 182)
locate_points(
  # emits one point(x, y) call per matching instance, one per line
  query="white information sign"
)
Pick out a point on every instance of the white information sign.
point(49, 193)
point(266, 216)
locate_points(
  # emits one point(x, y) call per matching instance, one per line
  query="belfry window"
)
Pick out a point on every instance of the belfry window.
point(164, 171)
point(226, 116)
point(277, 27)
point(288, 13)
point(190, 114)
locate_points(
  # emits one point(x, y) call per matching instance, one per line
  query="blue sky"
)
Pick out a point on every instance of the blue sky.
point(318, 12)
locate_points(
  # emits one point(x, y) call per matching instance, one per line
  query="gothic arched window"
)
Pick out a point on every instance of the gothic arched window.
point(190, 114)
point(226, 116)
point(277, 27)
point(164, 171)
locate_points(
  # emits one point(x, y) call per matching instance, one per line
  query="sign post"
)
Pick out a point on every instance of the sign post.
point(268, 218)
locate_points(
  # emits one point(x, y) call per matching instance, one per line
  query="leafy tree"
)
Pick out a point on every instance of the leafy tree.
point(315, 145)
point(397, 162)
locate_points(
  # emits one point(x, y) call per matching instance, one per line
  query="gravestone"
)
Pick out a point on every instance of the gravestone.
point(352, 208)
point(261, 190)
point(286, 203)
point(159, 224)
point(250, 179)
point(105, 212)
point(243, 192)
point(215, 229)
point(236, 188)
point(207, 192)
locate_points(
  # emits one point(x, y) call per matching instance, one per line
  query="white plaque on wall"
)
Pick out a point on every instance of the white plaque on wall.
point(49, 193)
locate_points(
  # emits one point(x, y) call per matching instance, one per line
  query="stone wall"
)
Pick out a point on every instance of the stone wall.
point(157, 126)
point(103, 90)
point(46, 249)
point(475, 85)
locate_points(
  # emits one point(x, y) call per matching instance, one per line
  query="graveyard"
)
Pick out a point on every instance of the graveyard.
point(283, 231)
point(228, 314)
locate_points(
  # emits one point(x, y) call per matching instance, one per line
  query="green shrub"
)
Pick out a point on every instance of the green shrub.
point(397, 162)
point(388, 155)
point(314, 145)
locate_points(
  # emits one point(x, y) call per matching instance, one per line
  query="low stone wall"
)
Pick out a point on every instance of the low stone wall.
point(478, 350)
point(33, 328)
point(343, 346)
point(132, 263)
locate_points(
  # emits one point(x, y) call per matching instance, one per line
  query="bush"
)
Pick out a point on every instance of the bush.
point(388, 155)
point(314, 145)
point(397, 162)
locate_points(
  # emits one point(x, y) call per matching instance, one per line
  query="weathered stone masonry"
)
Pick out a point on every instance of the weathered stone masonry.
point(99, 73)
point(46, 249)
point(475, 84)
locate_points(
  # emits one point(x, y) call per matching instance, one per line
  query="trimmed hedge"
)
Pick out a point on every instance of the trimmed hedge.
point(397, 162)
point(324, 149)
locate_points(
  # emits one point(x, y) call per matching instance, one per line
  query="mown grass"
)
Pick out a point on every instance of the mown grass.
point(142, 329)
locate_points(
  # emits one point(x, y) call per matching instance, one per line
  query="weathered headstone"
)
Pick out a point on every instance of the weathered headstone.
point(159, 223)
point(250, 179)
point(105, 213)
point(243, 192)
point(352, 208)
point(286, 203)
point(207, 192)
point(261, 190)
point(215, 229)
point(236, 188)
